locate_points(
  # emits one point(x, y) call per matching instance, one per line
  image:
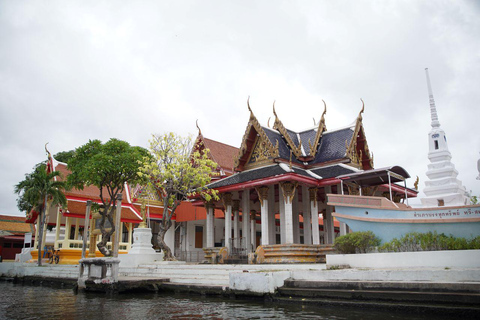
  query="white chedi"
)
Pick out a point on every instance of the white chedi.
point(443, 188)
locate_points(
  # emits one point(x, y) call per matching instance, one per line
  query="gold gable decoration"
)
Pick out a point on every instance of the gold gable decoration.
point(355, 156)
point(146, 193)
point(278, 125)
point(321, 128)
point(261, 152)
point(261, 135)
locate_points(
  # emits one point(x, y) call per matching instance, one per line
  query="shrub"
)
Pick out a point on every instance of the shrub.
point(356, 242)
point(430, 241)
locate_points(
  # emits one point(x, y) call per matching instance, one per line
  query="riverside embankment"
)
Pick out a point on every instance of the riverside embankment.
point(440, 289)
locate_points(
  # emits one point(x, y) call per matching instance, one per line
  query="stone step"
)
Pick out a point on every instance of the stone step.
point(444, 298)
point(419, 286)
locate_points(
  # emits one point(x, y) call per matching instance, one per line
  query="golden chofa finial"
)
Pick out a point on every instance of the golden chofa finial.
point(274, 109)
point(199, 131)
point(46, 150)
point(248, 104)
point(268, 122)
point(361, 111)
point(324, 111)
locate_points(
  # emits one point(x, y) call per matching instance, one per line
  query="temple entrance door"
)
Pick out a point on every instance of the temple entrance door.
point(199, 237)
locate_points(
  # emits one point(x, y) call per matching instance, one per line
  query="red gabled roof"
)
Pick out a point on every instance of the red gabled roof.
point(15, 225)
point(223, 154)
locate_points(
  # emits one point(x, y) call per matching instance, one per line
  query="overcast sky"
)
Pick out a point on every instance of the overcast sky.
point(71, 71)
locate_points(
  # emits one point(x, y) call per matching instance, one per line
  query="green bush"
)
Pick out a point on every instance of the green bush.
point(430, 241)
point(356, 242)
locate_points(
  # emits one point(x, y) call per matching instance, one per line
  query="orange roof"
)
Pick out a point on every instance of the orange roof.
point(186, 211)
point(223, 154)
point(15, 225)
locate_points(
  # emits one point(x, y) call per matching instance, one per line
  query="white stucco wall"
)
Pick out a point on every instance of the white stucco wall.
point(434, 259)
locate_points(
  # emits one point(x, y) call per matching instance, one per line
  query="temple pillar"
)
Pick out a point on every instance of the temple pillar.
point(35, 244)
point(227, 203)
point(75, 237)
point(296, 218)
point(93, 240)
point(68, 227)
point(281, 209)
point(343, 229)
point(307, 221)
point(210, 225)
point(288, 190)
point(130, 234)
point(58, 225)
point(271, 215)
point(314, 214)
point(246, 219)
point(236, 224)
point(253, 229)
point(328, 226)
point(263, 197)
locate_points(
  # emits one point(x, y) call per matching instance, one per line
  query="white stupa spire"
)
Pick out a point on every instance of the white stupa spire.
point(433, 108)
point(443, 188)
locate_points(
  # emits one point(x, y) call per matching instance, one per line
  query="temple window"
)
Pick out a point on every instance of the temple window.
point(436, 144)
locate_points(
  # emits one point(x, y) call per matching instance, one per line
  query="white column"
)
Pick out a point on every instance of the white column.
point(75, 237)
point(246, 219)
point(236, 224)
point(288, 190)
point(271, 215)
point(210, 226)
point(68, 226)
point(227, 203)
point(263, 197)
point(314, 214)
point(253, 229)
point(35, 244)
point(130, 234)
point(58, 224)
point(281, 209)
point(343, 229)
point(328, 221)
point(296, 221)
point(307, 223)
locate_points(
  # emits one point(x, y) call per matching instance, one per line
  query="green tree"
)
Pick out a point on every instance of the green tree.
point(177, 172)
point(64, 156)
point(108, 167)
point(38, 191)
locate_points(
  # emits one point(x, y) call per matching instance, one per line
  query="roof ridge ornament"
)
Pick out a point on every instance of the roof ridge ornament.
point(321, 128)
point(244, 147)
point(278, 125)
point(357, 156)
point(199, 131)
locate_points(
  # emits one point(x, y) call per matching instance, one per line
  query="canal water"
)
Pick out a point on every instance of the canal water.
point(19, 301)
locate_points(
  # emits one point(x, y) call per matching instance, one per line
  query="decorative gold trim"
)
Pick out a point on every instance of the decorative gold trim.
point(415, 184)
point(227, 199)
point(262, 193)
point(321, 128)
point(288, 189)
point(278, 125)
point(253, 122)
point(236, 205)
point(351, 152)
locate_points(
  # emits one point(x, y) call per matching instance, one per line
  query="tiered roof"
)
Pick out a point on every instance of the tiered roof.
point(310, 155)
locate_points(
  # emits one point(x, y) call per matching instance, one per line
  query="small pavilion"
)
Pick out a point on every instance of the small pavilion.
point(280, 181)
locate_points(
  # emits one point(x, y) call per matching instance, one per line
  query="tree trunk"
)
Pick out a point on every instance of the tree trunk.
point(102, 245)
point(40, 231)
point(167, 252)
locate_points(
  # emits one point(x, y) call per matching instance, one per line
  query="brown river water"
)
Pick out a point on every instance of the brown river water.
point(19, 301)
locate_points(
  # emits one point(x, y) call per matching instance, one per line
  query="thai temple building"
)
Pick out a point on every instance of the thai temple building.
point(280, 183)
point(443, 188)
point(272, 205)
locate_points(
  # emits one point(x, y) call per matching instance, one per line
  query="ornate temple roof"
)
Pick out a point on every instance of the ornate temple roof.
point(307, 149)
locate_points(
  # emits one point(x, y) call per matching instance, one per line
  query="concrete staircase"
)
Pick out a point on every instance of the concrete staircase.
point(205, 274)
